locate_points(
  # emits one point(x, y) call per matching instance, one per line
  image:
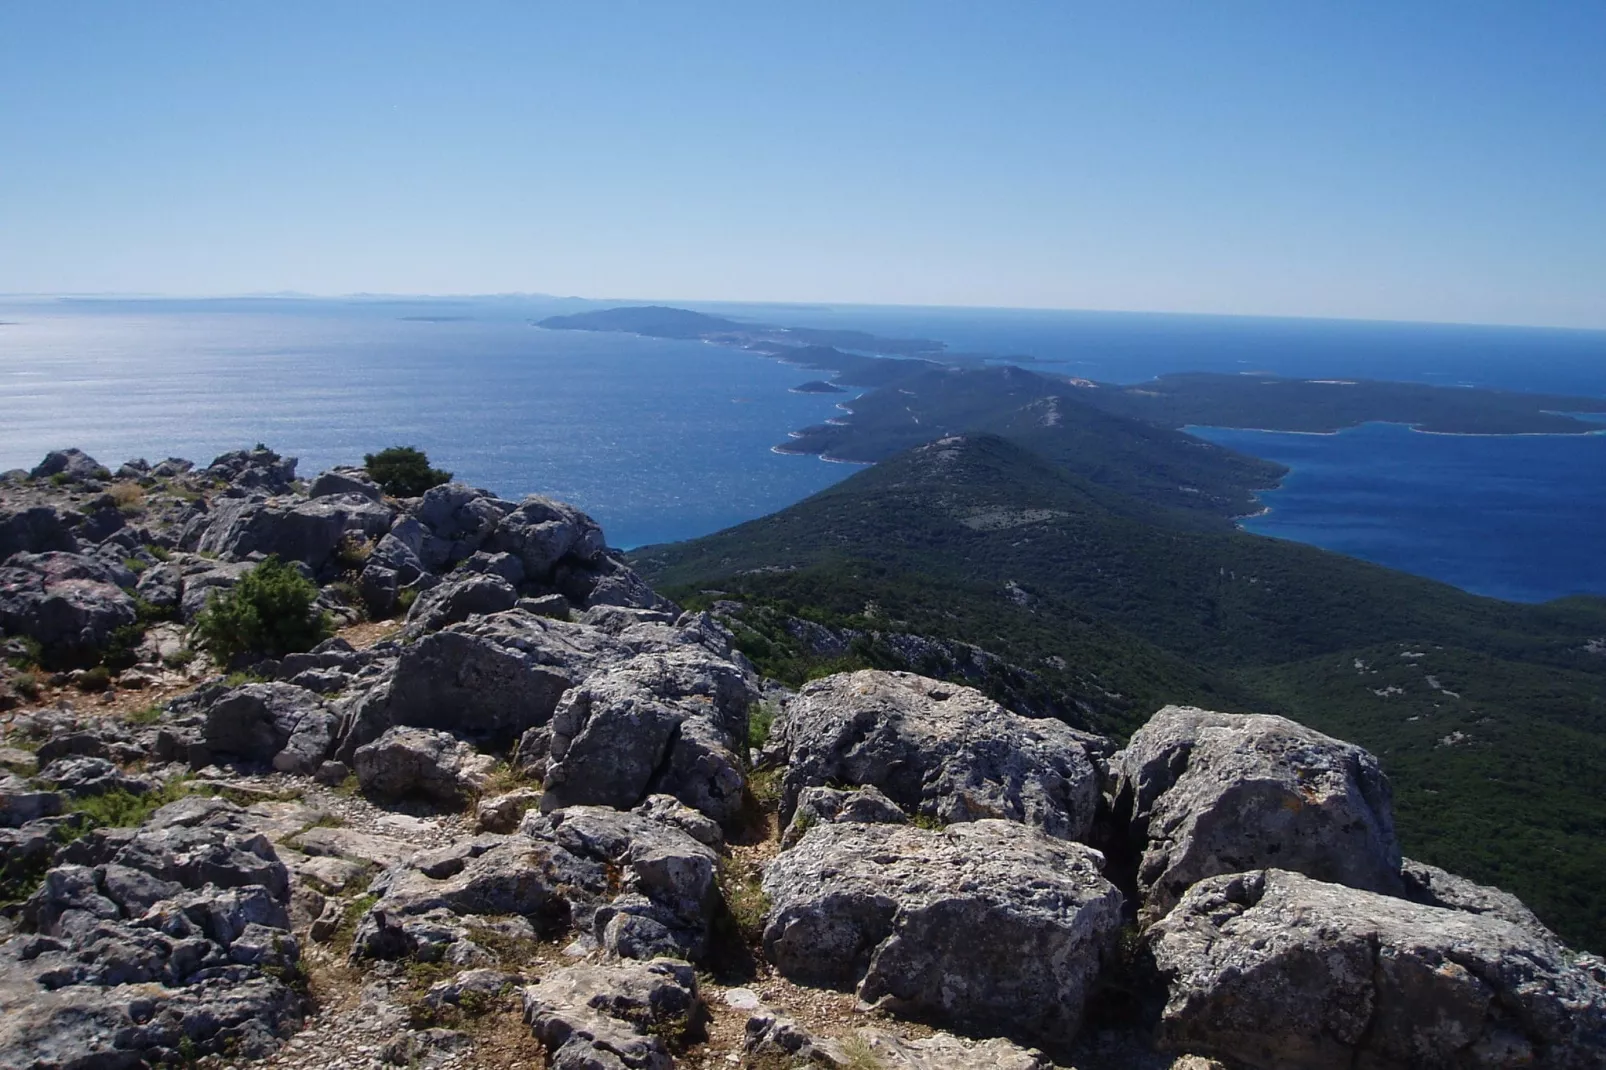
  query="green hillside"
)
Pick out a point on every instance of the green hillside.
point(1125, 605)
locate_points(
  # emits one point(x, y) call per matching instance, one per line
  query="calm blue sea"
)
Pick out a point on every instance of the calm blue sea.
point(667, 440)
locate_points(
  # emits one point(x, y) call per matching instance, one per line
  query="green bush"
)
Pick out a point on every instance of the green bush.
point(269, 612)
point(96, 679)
point(404, 471)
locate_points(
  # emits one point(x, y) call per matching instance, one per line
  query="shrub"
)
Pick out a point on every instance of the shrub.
point(97, 679)
point(127, 493)
point(269, 612)
point(353, 551)
point(26, 685)
point(404, 471)
point(760, 719)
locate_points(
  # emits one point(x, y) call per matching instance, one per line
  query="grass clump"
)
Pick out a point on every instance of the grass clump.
point(404, 471)
point(125, 809)
point(149, 715)
point(744, 898)
point(129, 496)
point(26, 684)
point(269, 612)
point(353, 551)
point(30, 654)
point(759, 722)
point(92, 680)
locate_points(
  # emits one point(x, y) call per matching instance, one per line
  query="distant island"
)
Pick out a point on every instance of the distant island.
point(817, 386)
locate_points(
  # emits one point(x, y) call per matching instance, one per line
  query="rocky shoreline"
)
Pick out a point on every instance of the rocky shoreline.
point(521, 809)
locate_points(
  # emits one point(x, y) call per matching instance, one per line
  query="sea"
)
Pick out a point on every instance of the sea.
point(666, 440)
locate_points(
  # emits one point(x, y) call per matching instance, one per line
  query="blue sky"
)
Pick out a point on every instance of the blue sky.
point(1442, 161)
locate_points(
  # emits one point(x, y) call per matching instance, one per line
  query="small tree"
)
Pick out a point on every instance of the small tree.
point(404, 471)
point(268, 612)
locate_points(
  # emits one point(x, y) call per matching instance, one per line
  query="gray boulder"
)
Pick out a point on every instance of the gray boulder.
point(671, 723)
point(1207, 793)
point(824, 806)
point(82, 777)
point(420, 762)
point(255, 469)
point(165, 941)
point(459, 596)
point(540, 532)
point(276, 723)
point(69, 603)
point(305, 530)
point(489, 679)
point(990, 925)
point(38, 529)
point(1432, 886)
point(940, 750)
point(21, 803)
point(1276, 970)
point(606, 581)
point(775, 1036)
point(457, 520)
point(345, 481)
point(76, 465)
point(617, 1016)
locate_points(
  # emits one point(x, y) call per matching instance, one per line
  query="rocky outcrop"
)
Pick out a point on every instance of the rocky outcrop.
point(817, 806)
point(258, 468)
point(1276, 970)
point(672, 723)
point(69, 603)
point(939, 750)
point(155, 945)
point(37, 529)
point(276, 723)
point(1206, 793)
point(306, 530)
point(631, 885)
point(422, 763)
point(615, 1017)
point(1010, 938)
point(71, 465)
point(775, 1036)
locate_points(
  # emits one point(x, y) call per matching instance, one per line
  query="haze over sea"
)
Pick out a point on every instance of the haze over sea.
point(665, 440)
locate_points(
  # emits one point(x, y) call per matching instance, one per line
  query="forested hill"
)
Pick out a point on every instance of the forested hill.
point(1489, 716)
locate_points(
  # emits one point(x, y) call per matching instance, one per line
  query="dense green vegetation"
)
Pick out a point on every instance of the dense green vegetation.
point(1265, 401)
point(404, 471)
point(269, 612)
point(1489, 716)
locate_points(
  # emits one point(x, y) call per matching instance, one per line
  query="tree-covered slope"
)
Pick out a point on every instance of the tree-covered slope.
point(1488, 715)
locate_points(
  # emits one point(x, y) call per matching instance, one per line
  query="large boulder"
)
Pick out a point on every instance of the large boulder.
point(489, 679)
point(305, 530)
point(458, 597)
point(989, 925)
point(1206, 793)
point(420, 762)
point(71, 604)
point(38, 529)
point(345, 481)
point(71, 464)
point(541, 532)
point(624, 1016)
point(255, 469)
point(940, 750)
point(1276, 970)
point(672, 723)
point(277, 723)
point(457, 519)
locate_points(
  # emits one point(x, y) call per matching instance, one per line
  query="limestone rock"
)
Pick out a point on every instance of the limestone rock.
point(817, 806)
point(76, 465)
point(305, 530)
point(458, 597)
point(1274, 969)
point(540, 532)
point(270, 722)
point(71, 604)
point(257, 469)
point(991, 925)
point(345, 481)
point(37, 529)
point(940, 750)
point(616, 1016)
point(421, 762)
point(1207, 793)
point(1432, 886)
point(671, 723)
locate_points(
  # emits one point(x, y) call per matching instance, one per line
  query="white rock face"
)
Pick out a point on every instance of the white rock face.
point(1277, 970)
point(989, 925)
point(1208, 793)
point(938, 749)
